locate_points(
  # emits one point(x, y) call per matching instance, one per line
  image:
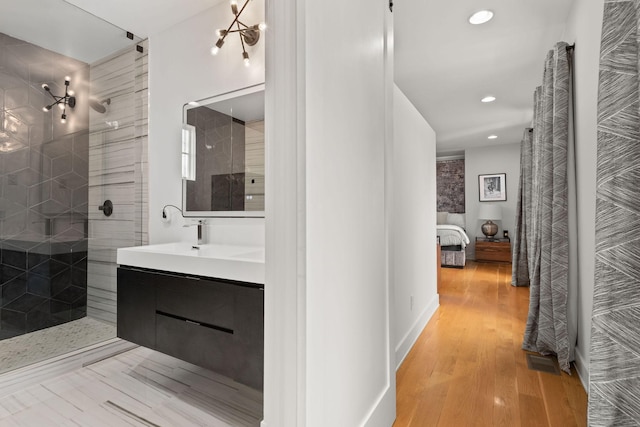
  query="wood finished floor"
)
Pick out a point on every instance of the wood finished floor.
point(468, 369)
point(140, 387)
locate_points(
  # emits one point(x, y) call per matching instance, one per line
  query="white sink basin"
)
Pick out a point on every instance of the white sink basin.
point(243, 263)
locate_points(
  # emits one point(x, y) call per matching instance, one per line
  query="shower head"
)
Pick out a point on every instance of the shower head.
point(99, 105)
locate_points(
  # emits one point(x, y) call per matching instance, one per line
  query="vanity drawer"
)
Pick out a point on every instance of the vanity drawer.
point(136, 300)
point(209, 322)
point(200, 345)
point(200, 300)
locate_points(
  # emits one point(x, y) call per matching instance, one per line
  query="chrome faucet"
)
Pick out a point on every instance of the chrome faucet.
point(201, 232)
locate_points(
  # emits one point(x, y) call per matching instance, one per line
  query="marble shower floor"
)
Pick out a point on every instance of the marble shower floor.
point(139, 387)
point(37, 346)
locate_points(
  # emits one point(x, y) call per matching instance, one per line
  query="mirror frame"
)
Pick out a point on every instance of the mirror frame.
point(210, 100)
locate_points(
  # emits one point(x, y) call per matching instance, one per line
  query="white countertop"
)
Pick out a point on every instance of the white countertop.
point(242, 263)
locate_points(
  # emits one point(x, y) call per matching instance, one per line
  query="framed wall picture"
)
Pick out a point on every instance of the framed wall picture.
point(493, 187)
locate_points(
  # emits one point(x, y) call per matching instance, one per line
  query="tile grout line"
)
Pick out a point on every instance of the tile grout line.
point(130, 414)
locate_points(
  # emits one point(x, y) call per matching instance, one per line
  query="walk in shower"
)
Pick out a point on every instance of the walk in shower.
point(73, 127)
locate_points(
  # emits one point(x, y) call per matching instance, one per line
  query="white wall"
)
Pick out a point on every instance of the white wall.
point(347, 291)
point(413, 224)
point(584, 29)
point(182, 70)
point(326, 223)
point(489, 160)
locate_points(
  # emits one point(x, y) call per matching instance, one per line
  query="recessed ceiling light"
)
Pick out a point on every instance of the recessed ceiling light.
point(488, 99)
point(492, 137)
point(480, 17)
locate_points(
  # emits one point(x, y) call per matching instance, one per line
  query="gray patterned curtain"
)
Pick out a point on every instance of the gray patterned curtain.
point(543, 215)
point(520, 262)
point(614, 371)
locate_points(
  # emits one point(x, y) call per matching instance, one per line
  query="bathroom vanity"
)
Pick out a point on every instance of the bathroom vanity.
point(205, 303)
point(214, 320)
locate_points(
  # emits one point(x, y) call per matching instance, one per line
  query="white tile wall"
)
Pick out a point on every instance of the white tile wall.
point(117, 172)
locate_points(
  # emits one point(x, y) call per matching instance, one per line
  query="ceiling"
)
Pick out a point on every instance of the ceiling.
point(60, 27)
point(145, 17)
point(442, 63)
point(445, 65)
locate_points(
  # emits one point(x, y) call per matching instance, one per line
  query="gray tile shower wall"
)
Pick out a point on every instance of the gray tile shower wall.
point(42, 286)
point(43, 190)
point(117, 171)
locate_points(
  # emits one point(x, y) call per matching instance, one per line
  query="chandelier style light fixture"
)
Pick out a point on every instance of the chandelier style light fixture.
point(249, 35)
point(61, 101)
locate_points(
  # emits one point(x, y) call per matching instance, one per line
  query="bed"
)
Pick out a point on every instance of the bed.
point(452, 238)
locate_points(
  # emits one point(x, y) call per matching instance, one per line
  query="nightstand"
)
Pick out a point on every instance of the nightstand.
point(493, 249)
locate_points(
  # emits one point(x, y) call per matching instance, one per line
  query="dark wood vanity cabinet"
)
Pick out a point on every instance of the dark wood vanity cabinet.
point(136, 308)
point(216, 324)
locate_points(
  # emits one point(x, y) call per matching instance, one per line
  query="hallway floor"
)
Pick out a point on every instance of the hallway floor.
point(467, 367)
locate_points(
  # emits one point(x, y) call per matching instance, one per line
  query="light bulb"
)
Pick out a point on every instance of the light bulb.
point(247, 62)
point(67, 78)
point(61, 106)
point(262, 26)
point(216, 48)
point(481, 17)
point(45, 109)
point(234, 7)
point(71, 93)
point(63, 120)
point(45, 87)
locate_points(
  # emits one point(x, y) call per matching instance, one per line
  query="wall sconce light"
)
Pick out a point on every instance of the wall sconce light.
point(249, 35)
point(61, 101)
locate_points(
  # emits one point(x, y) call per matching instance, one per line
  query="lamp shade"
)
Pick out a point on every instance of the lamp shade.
point(489, 211)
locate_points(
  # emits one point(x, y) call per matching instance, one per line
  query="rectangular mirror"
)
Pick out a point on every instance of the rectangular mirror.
point(229, 155)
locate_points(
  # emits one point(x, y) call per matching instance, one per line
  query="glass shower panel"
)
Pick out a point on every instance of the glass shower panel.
point(57, 167)
point(44, 181)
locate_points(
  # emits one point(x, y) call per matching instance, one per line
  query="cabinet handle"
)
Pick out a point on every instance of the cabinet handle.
point(193, 322)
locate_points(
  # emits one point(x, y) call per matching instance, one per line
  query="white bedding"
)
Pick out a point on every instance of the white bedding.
point(451, 235)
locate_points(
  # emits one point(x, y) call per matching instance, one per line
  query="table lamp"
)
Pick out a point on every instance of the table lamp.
point(490, 213)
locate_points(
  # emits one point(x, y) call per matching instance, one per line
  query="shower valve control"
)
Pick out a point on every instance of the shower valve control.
point(106, 208)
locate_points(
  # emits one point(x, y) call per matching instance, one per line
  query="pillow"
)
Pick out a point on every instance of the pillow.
point(456, 219)
point(442, 218)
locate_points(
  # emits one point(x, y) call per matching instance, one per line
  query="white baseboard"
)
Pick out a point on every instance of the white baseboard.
point(410, 338)
point(383, 413)
point(582, 368)
point(22, 378)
